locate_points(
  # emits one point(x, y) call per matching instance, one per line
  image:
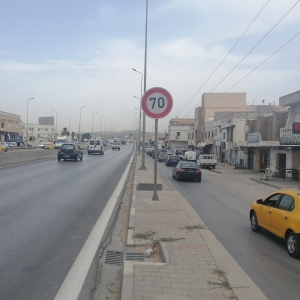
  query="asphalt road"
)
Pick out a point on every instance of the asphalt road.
point(47, 210)
point(222, 202)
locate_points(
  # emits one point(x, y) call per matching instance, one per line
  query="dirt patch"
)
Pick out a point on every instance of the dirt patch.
point(114, 290)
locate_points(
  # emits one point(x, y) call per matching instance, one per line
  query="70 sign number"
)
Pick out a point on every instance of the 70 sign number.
point(160, 102)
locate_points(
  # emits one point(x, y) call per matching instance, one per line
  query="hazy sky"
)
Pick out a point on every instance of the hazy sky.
point(67, 54)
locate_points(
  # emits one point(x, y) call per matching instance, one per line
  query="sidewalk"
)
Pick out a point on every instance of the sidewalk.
point(194, 265)
point(277, 183)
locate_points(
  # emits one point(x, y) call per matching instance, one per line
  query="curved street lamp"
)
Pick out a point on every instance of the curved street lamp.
point(93, 121)
point(80, 121)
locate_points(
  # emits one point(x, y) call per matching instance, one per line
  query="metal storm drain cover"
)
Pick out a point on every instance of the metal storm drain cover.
point(138, 256)
point(114, 257)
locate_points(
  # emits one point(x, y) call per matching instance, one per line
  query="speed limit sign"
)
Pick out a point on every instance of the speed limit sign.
point(157, 103)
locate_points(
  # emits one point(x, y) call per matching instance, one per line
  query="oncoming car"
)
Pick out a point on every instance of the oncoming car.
point(279, 213)
point(187, 170)
point(116, 146)
point(70, 151)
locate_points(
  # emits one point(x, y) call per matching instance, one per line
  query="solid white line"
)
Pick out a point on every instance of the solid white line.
point(72, 285)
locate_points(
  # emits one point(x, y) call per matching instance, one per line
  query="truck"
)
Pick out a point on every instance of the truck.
point(190, 156)
point(208, 161)
point(60, 140)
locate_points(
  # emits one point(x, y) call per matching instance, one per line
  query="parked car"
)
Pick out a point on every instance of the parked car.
point(12, 144)
point(116, 146)
point(187, 170)
point(279, 213)
point(208, 161)
point(49, 146)
point(70, 150)
point(4, 146)
point(172, 160)
point(96, 146)
point(163, 155)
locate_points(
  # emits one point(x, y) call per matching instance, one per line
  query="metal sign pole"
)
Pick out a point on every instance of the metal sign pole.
point(155, 196)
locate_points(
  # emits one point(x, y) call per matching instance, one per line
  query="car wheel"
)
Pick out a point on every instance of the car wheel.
point(6, 150)
point(199, 179)
point(76, 158)
point(65, 159)
point(214, 167)
point(292, 244)
point(254, 223)
point(58, 159)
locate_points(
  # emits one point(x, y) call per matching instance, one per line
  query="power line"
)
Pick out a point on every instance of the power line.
point(225, 57)
point(250, 52)
point(254, 68)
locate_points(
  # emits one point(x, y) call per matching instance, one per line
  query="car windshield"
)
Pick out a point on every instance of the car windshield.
point(189, 165)
point(98, 143)
point(173, 157)
point(92, 142)
point(66, 146)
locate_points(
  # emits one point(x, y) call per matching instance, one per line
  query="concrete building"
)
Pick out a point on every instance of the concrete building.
point(178, 131)
point(10, 127)
point(39, 133)
point(216, 102)
point(290, 133)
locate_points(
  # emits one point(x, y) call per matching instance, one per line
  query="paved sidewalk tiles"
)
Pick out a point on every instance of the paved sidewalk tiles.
point(196, 265)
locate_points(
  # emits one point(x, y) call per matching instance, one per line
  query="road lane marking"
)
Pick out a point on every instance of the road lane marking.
point(73, 283)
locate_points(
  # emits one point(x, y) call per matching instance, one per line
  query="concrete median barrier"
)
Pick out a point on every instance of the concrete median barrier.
point(23, 156)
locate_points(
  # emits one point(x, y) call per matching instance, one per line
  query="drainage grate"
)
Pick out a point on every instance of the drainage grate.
point(114, 257)
point(135, 256)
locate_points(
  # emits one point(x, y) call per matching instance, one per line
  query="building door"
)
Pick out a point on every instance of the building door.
point(281, 161)
point(264, 159)
point(250, 159)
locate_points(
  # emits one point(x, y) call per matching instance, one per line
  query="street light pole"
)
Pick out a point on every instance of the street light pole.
point(55, 121)
point(105, 127)
point(140, 117)
point(101, 125)
point(27, 119)
point(69, 125)
point(80, 121)
point(93, 121)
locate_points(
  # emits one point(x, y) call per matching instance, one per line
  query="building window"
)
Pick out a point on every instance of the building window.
point(205, 135)
point(2, 124)
point(224, 136)
point(177, 133)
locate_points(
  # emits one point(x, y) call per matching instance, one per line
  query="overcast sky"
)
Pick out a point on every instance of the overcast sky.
point(67, 54)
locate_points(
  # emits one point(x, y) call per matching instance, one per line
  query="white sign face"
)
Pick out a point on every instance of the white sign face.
point(157, 103)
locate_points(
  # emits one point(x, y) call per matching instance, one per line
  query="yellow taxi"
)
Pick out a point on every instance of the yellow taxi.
point(1, 149)
point(279, 213)
point(49, 146)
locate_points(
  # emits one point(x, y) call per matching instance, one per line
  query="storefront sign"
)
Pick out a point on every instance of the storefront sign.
point(254, 137)
point(290, 140)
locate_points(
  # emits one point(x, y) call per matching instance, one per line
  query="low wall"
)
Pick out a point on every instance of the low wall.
point(21, 156)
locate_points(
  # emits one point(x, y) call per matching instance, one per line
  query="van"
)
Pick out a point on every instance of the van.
point(95, 146)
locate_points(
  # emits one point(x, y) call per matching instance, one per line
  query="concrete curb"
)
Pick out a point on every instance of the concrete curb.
point(265, 183)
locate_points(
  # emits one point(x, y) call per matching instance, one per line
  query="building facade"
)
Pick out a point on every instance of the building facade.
point(10, 127)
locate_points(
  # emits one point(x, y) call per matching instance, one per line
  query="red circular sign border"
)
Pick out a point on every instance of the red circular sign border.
point(166, 94)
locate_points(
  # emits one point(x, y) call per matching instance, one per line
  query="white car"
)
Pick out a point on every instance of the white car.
point(4, 146)
point(95, 146)
point(116, 146)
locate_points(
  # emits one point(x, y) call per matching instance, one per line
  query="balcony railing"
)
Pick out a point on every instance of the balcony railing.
point(286, 132)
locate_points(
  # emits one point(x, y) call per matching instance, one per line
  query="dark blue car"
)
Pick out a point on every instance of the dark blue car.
point(172, 160)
